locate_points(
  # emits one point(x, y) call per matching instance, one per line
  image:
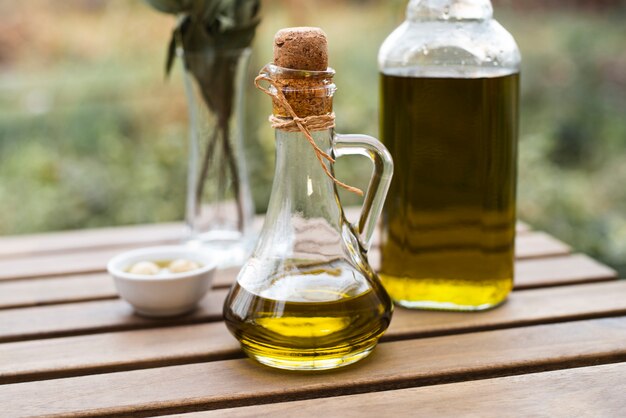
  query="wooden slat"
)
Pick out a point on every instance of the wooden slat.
point(393, 365)
point(582, 392)
point(78, 288)
point(98, 286)
point(534, 244)
point(69, 356)
point(24, 293)
point(89, 239)
point(128, 350)
point(556, 304)
point(559, 271)
point(539, 244)
point(99, 316)
point(118, 236)
point(56, 264)
point(86, 254)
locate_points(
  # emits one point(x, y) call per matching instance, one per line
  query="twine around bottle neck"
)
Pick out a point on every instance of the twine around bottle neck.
point(304, 125)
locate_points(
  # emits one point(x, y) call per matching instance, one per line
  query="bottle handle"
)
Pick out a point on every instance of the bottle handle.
point(372, 148)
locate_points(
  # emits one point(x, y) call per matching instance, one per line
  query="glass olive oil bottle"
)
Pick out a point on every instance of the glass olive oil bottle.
point(449, 117)
point(307, 298)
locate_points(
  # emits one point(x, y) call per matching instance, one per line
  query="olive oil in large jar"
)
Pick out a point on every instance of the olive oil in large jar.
point(450, 218)
point(449, 117)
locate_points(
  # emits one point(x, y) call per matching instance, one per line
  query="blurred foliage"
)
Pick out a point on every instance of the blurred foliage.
point(91, 134)
point(573, 130)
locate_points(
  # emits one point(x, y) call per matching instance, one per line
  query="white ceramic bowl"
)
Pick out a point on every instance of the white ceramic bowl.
point(163, 295)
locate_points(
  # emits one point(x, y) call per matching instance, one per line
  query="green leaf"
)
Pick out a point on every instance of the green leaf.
point(171, 54)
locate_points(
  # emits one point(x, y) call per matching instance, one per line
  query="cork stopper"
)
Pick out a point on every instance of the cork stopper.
point(309, 87)
point(301, 87)
point(303, 48)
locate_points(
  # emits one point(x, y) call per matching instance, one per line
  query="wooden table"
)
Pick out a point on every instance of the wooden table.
point(69, 346)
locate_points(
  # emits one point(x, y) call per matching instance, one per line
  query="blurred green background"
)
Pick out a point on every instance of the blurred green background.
point(92, 135)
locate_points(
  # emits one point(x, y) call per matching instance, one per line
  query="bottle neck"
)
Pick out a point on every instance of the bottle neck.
point(425, 10)
point(301, 187)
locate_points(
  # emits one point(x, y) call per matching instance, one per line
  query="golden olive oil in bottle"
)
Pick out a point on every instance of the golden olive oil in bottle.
point(449, 117)
point(315, 317)
point(450, 220)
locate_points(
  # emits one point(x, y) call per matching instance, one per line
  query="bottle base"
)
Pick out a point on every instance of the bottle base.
point(447, 294)
point(229, 249)
point(446, 306)
point(307, 362)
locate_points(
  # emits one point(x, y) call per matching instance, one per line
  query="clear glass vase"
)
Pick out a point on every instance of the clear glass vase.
point(219, 207)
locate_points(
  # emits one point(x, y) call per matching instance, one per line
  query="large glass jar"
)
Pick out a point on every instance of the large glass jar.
point(449, 117)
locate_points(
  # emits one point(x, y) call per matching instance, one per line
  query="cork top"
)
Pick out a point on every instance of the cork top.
point(302, 48)
point(300, 71)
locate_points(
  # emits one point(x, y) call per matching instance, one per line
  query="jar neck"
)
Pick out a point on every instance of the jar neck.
point(428, 10)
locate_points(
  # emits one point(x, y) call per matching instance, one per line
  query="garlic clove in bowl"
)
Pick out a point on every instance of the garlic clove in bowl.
point(165, 293)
